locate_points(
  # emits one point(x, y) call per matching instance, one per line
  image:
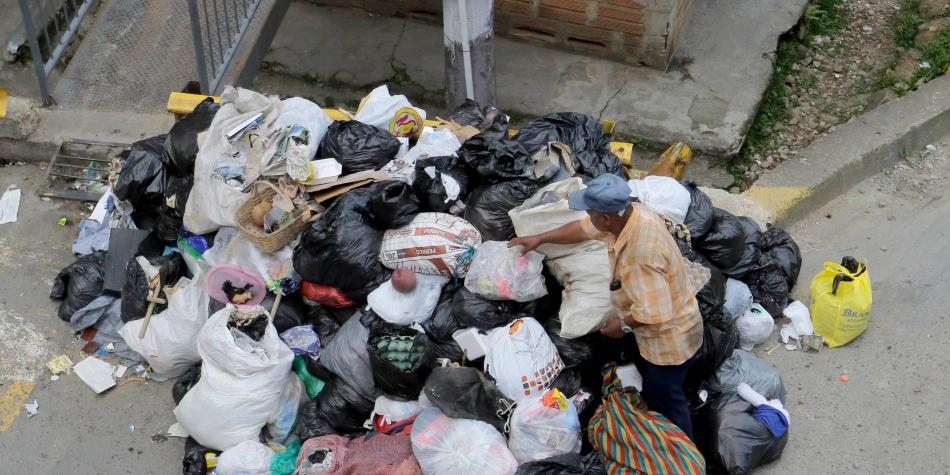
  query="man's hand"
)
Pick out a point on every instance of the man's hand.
point(528, 243)
point(612, 329)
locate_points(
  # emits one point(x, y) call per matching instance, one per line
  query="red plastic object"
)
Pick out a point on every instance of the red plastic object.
point(325, 295)
point(238, 277)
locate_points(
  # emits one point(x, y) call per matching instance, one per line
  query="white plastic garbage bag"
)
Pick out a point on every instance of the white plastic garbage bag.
point(755, 327)
point(295, 111)
point(395, 411)
point(170, 343)
point(664, 195)
point(213, 202)
point(801, 324)
point(583, 270)
point(738, 298)
point(544, 426)
point(432, 144)
point(502, 273)
point(391, 113)
point(415, 306)
point(246, 458)
point(433, 243)
point(444, 445)
point(522, 359)
point(239, 390)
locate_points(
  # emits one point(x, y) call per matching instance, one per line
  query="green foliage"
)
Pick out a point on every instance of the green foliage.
point(907, 23)
point(824, 17)
point(937, 54)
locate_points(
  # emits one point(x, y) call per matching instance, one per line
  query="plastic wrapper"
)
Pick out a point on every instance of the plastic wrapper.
point(522, 359)
point(752, 249)
point(725, 241)
point(699, 218)
point(79, 283)
point(135, 290)
point(493, 159)
point(432, 143)
point(783, 249)
point(433, 244)
point(446, 445)
point(358, 146)
point(583, 133)
point(302, 340)
point(472, 310)
point(543, 426)
point(502, 273)
point(325, 295)
point(466, 393)
point(401, 361)
point(181, 146)
point(440, 182)
point(488, 206)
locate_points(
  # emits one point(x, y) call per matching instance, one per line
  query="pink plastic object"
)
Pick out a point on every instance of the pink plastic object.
point(238, 277)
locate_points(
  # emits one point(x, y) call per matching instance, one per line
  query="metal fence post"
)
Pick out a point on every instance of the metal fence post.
point(199, 47)
point(38, 63)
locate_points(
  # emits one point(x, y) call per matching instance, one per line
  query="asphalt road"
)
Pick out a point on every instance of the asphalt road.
point(889, 417)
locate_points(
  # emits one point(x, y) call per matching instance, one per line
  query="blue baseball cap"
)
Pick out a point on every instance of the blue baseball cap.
point(604, 194)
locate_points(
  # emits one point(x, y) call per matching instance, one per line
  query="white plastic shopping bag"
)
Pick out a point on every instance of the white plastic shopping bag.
point(391, 113)
point(522, 359)
point(542, 426)
point(502, 273)
point(415, 306)
point(445, 445)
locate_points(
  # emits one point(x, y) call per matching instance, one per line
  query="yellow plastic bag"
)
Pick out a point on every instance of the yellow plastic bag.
point(841, 316)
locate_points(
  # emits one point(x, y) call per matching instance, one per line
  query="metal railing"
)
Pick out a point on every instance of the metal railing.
point(218, 27)
point(48, 33)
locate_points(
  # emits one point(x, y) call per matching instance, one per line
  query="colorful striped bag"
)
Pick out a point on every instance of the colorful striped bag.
point(634, 439)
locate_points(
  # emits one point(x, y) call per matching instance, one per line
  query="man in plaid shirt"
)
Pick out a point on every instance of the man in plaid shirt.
point(650, 288)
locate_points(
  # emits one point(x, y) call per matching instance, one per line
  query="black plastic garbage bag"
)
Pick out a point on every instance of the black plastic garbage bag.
point(574, 352)
point(406, 347)
point(323, 319)
point(430, 189)
point(769, 285)
point(291, 312)
point(79, 283)
point(346, 355)
point(488, 206)
point(785, 251)
point(496, 159)
point(720, 335)
point(341, 249)
point(466, 393)
point(342, 407)
point(186, 382)
point(310, 424)
point(743, 367)
point(194, 461)
point(568, 381)
point(490, 122)
point(393, 205)
point(471, 310)
point(134, 306)
point(725, 241)
point(566, 464)
point(699, 217)
point(751, 250)
point(449, 350)
point(143, 180)
point(358, 146)
point(442, 324)
point(732, 440)
point(583, 133)
point(181, 146)
point(170, 219)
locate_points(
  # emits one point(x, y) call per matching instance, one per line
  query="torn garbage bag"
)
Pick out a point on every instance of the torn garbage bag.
point(79, 283)
point(440, 182)
point(522, 359)
point(725, 241)
point(240, 386)
point(488, 205)
point(358, 146)
point(293, 139)
point(465, 393)
point(584, 134)
point(443, 444)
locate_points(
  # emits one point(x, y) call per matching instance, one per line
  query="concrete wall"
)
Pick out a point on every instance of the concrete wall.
point(634, 32)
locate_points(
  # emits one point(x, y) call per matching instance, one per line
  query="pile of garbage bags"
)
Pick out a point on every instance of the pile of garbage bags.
point(339, 297)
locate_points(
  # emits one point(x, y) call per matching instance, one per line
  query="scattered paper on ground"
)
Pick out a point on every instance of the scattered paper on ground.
point(97, 374)
point(9, 205)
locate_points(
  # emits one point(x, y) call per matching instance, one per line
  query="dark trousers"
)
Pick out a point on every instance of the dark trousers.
point(663, 390)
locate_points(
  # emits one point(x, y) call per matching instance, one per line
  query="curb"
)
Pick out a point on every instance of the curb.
point(48, 128)
point(852, 152)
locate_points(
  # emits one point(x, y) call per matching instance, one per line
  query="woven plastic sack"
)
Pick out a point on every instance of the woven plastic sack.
point(391, 113)
point(543, 426)
point(755, 327)
point(502, 273)
point(583, 270)
point(459, 446)
point(247, 458)
point(840, 315)
point(634, 439)
point(522, 359)
point(415, 306)
point(664, 195)
point(239, 390)
point(433, 243)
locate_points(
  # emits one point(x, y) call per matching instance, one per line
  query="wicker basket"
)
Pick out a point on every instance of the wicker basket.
point(269, 242)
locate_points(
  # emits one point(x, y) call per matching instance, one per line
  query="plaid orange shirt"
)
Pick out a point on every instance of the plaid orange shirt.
point(655, 290)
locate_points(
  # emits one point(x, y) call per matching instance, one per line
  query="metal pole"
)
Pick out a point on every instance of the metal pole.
point(469, 52)
point(199, 46)
point(38, 62)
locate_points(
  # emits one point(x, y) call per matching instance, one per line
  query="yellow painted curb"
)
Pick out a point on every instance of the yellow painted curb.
point(777, 200)
point(11, 402)
point(3, 103)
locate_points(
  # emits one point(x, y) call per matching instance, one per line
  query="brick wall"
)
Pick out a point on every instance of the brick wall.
point(623, 30)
